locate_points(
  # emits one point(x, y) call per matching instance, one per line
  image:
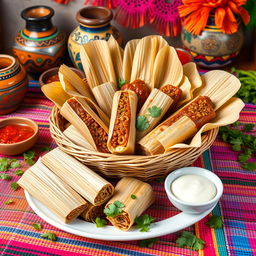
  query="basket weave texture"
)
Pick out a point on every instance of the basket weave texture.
point(138, 166)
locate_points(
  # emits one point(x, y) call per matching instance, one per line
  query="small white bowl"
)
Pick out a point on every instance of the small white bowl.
point(193, 208)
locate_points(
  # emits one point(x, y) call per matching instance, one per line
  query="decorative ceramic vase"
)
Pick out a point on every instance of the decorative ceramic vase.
point(40, 45)
point(212, 48)
point(94, 24)
point(13, 84)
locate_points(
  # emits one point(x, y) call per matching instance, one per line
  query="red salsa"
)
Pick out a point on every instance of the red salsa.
point(53, 78)
point(184, 56)
point(15, 133)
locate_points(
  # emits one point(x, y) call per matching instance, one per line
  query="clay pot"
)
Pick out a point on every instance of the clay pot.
point(40, 45)
point(13, 84)
point(94, 24)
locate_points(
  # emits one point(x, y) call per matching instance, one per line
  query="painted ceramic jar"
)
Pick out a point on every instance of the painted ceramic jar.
point(40, 45)
point(94, 24)
point(13, 84)
point(212, 48)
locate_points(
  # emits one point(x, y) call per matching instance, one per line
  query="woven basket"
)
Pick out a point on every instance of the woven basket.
point(143, 167)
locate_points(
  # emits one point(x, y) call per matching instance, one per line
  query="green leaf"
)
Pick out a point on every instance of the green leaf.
point(248, 127)
point(249, 166)
point(236, 148)
point(100, 222)
point(3, 164)
point(143, 222)
point(4, 176)
point(121, 82)
point(49, 235)
point(45, 148)
point(37, 226)
point(148, 243)
point(29, 157)
point(236, 124)
point(10, 201)
point(14, 186)
point(243, 157)
point(19, 172)
point(114, 209)
point(15, 163)
point(133, 196)
point(189, 240)
point(215, 222)
point(142, 123)
point(155, 111)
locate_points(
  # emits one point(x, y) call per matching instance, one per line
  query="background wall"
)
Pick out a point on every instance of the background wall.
point(64, 18)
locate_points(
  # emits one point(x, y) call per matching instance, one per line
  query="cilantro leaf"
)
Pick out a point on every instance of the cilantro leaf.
point(142, 123)
point(155, 111)
point(15, 163)
point(248, 127)
point(29, 157)
point(3, 164)
point(114, 209)
point(215, 221)
point(133, 196)
point(10, 201)
point(19, 172)
point(37, 226)
point(187, 239)
point(143, 222)
point(49, 235)
point(45, 148)
point(148, 243)
point(14, 186)
point(121, 82)
point(100, 222)
point(249, 166)
point(4, 176)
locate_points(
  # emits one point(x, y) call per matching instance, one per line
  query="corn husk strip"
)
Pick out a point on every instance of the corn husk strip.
point(97, 63)
point(92, 212)
point(129, 147)
point(83, 180)
point(75, 136)
point(116, 53)
point(70, 114)
point(191, 72)
point(74, 82)
point(187, 95)
point(220, 86)
point(133, 207)
point(155, 98)
point(144, 58)
point(54, 193)
point(167, 68)
point(55, 93)
point(129, 51)
point(104, 94)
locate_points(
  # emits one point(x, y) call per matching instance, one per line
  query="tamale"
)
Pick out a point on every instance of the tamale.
point(92, 212)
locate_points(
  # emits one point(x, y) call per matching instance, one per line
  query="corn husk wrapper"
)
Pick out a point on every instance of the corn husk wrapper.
point(76, 137)
point(83, 180)
point(129, 51)
point(130, 145)
point(92, 212)
point(144, 58)
point(78, 123)
point(133, 207)
point(167, 68)
point(54, 193)
point(186, 88)
point(155, 98)
point(55, 93)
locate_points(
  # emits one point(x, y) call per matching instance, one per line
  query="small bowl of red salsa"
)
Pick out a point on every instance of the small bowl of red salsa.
point(17, 135)
point(184, 55)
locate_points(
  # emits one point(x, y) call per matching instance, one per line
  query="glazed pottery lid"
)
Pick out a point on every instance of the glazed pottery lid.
point(37, 13)
point(94, 15)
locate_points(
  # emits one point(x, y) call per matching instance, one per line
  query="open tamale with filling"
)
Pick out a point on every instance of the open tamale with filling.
point(92, 212)
point(121, 139)
point(133, 197)
point(54, 193)
point(157, 104)
point(83, 180)
point(87, 122)
point(180, 126)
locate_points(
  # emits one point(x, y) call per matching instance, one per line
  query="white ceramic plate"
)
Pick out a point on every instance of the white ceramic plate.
point(86, 229)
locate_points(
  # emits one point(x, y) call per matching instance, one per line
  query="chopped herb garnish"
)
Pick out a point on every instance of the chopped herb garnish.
point(4, 176)
point(142, 123)
point(100, 222)
point(121, 82)
point(29, 157)
point(45, 148)
point(37, 226)
point(19, 172)
point(15, 163)
point(114, 209)
point(143, 222)
point(49, 235)
point(155, 111)
point(189, 240)
point(3, 164)
point(14, 186)
point(148, 243)
point(133, 196)
point(10, 201)
point(215, 222)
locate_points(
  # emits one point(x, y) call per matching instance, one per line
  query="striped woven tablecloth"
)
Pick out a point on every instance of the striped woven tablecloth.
point(237, 205)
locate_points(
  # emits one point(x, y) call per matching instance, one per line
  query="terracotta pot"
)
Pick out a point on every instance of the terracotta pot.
point(212, 48)
point(40, 45)
point(94, 24)
point(13, 84)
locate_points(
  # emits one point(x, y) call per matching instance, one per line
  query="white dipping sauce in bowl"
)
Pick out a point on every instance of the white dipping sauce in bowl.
point(193, 188)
